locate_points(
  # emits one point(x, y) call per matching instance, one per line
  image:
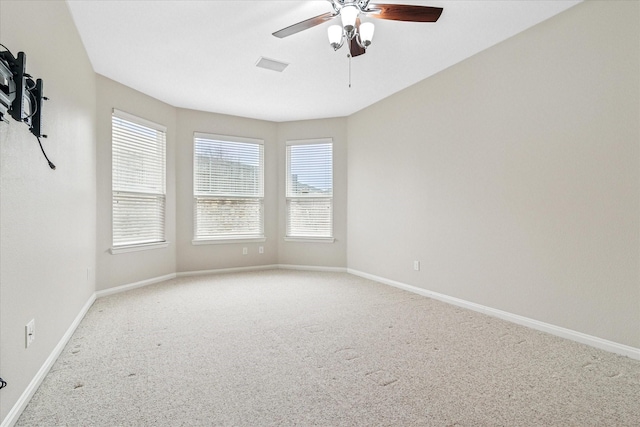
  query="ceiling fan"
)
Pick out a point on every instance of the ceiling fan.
point(357, 33)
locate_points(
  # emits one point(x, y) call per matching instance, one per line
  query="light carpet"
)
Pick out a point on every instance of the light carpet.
point(321, 349)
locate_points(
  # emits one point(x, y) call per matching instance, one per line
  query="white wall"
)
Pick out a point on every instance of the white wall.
point(131, 267)
point(229, 255)
point(47, 217)
point(316, 254)
point(514, 176)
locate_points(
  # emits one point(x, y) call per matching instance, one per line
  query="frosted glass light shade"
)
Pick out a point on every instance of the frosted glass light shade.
point(366, 33)
point(349, 14)
point(335, 36)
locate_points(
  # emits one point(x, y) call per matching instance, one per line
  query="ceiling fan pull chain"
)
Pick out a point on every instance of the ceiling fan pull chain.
point(349, 56)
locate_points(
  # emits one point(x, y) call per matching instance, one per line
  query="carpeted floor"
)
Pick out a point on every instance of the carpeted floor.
point(321, 349)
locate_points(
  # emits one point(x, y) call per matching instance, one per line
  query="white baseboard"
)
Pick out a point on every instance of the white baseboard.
point(123, 288)
point(16, 411)
point(262, 268)
point(227, 270)
point(610, 346)
point(312, 268)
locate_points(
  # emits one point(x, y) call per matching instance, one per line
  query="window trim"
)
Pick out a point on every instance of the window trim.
point(135, 247)
point(138, 120)
point(115, 250)
point(308, 239)
point(225, 239)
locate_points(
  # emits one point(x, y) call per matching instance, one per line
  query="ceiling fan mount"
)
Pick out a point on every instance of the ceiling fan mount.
point(353, 30)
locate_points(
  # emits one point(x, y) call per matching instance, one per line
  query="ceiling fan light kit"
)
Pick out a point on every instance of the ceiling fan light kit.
point(337, 35)
point(349, 13)
point(360, 34)
point(366, 33)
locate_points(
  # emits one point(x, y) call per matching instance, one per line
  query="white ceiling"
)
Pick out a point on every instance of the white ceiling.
point(202, 54)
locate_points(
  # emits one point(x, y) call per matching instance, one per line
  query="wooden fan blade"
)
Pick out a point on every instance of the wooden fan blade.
point(304, 25)
point(354, 47)
point(404, 12)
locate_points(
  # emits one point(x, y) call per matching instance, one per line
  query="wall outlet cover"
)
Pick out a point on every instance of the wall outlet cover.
point(30, 333)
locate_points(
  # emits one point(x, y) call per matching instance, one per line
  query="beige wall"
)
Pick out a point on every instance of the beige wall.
point(316, 254)
point(219, 256)
point(182, 255)
point(47, 217)
point(114, 270)
point(126, 268)
point(513, 177)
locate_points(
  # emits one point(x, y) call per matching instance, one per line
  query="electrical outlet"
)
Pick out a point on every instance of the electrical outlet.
point(29, 333)
point(245, 251)
point(416, 265)
point(260, 249)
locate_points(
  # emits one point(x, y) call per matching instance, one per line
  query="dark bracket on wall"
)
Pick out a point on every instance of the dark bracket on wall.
point(20, 95)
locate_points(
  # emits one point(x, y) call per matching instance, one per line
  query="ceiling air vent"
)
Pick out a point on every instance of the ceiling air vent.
point(271, 64)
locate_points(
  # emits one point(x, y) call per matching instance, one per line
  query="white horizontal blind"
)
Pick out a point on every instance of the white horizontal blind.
point(228, 187)
point(310, 188)
point(138, 180)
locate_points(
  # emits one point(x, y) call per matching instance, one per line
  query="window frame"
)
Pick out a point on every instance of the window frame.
point(132, 245)
point(237, 238)
point(288, 197)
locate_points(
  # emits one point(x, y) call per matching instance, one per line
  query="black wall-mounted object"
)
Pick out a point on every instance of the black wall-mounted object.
point(36, 119)
point(21, 107)
point(20, 96)
point(7, 87)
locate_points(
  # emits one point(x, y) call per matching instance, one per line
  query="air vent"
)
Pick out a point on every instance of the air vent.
point(271, 64)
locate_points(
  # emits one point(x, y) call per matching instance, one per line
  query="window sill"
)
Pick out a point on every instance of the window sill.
point(135, 248)
point(231, 240)
point(310, 239)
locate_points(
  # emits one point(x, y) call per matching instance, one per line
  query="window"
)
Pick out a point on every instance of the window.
point(228, 188)
point(138, 180)
point(310, 189)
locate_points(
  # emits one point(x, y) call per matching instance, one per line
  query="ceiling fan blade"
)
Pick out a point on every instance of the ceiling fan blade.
point(404, 12)
point(354, 47)
point(304, 25)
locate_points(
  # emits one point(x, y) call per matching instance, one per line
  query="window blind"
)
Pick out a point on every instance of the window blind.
point(138, 180)
point(309, 188)
point(228, 187)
